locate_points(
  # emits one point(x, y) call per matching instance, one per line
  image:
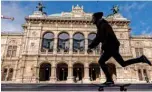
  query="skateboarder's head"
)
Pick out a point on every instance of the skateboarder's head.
point(96, 16)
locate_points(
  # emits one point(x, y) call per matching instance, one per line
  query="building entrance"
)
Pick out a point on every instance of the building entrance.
point(45, 72)
point(94, 71)
point(62, 72)
point(78, 71)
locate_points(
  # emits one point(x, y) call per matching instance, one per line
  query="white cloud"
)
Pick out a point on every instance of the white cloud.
point(147, 31)
point(142, 23)
point(134, 7)
point(141, 6)
point(14, 9)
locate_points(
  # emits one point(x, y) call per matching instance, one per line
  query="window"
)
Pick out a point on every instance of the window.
point(63, 42)
point(11, 51)
point(4, 74)
point(78, 42)
point(140, 75)
point(145, 73)
point(139, 51)
point(10, 74)
point(47, 42)
point(91, 37)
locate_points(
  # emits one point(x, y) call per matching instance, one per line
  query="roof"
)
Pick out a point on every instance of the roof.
point(12, 33)
point(141, 36)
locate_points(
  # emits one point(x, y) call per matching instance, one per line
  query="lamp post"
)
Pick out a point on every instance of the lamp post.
point(77, 78)
point(63, 73)
point(92, 73)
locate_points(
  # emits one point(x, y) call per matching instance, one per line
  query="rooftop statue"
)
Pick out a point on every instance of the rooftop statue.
point(40, 7)
point(115, 9)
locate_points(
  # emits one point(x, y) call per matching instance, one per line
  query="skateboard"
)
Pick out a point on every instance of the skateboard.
point(121, 86)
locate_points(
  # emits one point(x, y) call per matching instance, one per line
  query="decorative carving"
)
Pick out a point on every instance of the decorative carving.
point(77, 9)
point(12, 41)
point(121, 35)
point(32, 44)
point(34, 33)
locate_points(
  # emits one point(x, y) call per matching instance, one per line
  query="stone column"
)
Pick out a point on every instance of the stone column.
point(86, 73)
point(7, 74)
point(143, 76)
point(86, 45)
point(55, 46)
point(19, 72)
point(102, 76)
point(53, 73)
point(71, 46)
point(14, 71)
point(150, 75)
point(22, 73)
point(70, 73)
point(35, 74)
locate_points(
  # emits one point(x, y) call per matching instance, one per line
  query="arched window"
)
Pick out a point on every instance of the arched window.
point(11, 51)
point(78, 42)
point(4, 74)
point(94, 71)
point(10, 74)
point(78, 71)
point(62, 71)
point(47, 42)
point(63, 42)
point(91, 36)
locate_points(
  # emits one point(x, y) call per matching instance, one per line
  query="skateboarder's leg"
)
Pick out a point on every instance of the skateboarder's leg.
point(123, 63)
point(104, 66)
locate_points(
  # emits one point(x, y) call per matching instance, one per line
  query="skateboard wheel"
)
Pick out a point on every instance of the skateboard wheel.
point(125, 89)
point(100, 89)
point(122, 89)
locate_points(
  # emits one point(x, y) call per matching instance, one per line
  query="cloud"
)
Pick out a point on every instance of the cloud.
point(13, 9)
point(142, 23)
point(130, 8)
point(141, 6)
point(147, 31)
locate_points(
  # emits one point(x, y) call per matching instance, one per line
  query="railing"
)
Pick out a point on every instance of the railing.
point(75, 52)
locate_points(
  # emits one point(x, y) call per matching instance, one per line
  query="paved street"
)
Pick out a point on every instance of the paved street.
point(69, 87)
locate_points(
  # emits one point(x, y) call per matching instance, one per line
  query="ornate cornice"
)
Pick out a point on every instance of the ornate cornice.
point(11, 34)
point(141, 37)
point(68, 20)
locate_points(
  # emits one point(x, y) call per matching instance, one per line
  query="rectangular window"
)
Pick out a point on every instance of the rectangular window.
point(11, 51)
point(139, 52)
point(145, 73)
point(3, 76)
point(10, 75)
point(140, 75)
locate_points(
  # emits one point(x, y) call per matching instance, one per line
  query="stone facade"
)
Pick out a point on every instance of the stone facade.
point(30, 63)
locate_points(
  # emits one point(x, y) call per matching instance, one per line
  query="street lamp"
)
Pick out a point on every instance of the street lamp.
point(77, 74)
point(63, 73)
point(92, 74)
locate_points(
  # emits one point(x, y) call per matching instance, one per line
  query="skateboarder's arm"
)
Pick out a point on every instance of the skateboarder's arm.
point(95, 42)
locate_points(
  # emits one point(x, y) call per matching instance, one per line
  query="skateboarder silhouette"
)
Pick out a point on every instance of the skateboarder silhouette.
point(110, 46)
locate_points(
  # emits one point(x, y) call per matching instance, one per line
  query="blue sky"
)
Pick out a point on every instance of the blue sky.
point(139, 12)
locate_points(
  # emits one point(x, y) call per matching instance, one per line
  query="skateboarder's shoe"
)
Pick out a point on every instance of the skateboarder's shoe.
point(145, 60)
point(108, 83)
